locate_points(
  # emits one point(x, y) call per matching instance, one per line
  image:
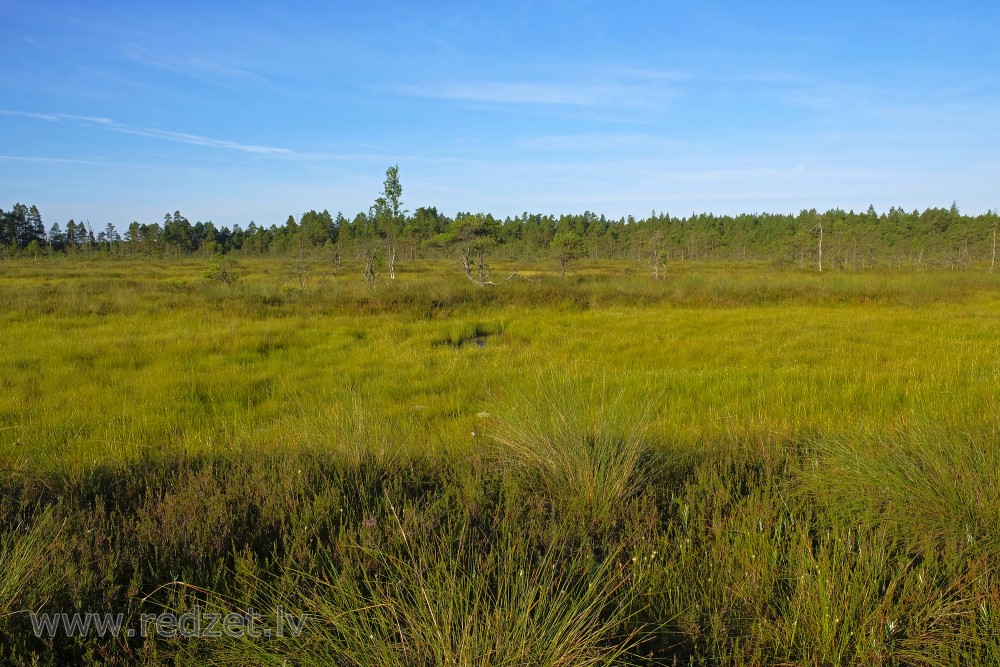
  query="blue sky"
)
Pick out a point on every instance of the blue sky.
point(232, 112)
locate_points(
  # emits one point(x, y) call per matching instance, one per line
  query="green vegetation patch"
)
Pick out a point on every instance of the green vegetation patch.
point(729, 465)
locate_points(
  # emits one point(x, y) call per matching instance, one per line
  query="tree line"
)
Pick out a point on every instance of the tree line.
point(387, 233)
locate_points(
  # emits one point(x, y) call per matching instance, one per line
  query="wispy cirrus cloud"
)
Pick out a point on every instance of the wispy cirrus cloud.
point(609, 87)
point(507, 92)
point(596, 141)
point(613, 93)
point(56, 117)
point(650, 74)
point(197, 140)
point(42, 160)
point(154, 133)
point(191, 66)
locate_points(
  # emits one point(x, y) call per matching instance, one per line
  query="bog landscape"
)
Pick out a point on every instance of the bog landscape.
point(406, 438)
point(521, 334)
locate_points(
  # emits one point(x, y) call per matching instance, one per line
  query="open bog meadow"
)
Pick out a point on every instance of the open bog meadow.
point(733, 464)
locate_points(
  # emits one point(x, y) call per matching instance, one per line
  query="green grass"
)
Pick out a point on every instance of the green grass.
point(453, 597)
point(580, 441)
point(737, 464)
point(97, 365)
point(27, 582)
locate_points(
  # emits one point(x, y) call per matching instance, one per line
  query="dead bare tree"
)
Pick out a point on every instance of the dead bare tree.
point(819, 226)
point(993, 257)
point(656, 259)
point(302, 267)
point(657, 256)
point(482, 275)
point(474, 235)
point(369, 256)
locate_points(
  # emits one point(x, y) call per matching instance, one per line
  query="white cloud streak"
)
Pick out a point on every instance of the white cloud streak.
point(197, 140)
point(507, 93)
point(611, 94)
point(194, 67)
point(593, 142)
point(166, 135)
point(43, 160)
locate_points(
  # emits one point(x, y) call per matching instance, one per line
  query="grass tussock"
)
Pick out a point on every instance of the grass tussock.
point(932, 484)
point(584, 440)
point(456, 598)
point(27, 579)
